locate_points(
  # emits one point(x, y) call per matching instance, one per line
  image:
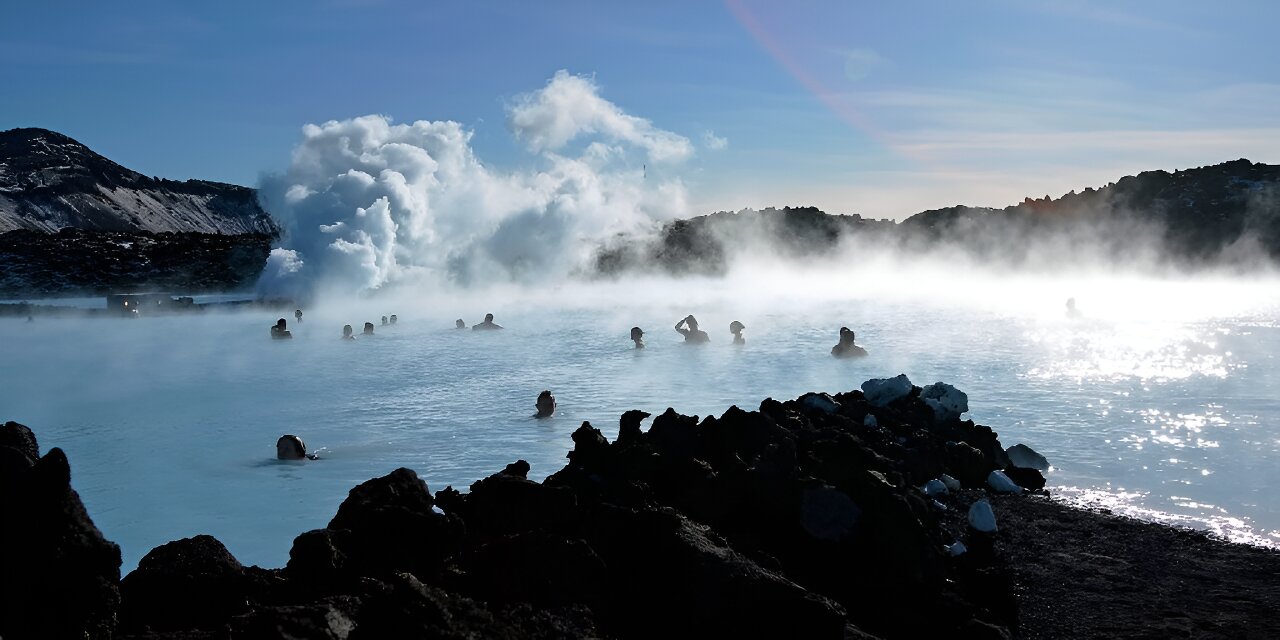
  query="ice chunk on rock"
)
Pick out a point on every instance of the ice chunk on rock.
point(952, 483)
point(981, 517)
point(819, 402)
point(882, 391)
point(1000, 483)
point(934, 487)
point(1023, 456)
point(946, 401)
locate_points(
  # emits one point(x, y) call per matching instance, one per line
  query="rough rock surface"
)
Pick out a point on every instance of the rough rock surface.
point(1083, 574)
point(60, 577)
point(75, 260)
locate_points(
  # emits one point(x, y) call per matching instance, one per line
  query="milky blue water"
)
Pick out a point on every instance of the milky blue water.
point(170, 422)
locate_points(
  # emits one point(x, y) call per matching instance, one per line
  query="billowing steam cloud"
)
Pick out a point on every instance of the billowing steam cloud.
point(570, 106)
point(366, 202)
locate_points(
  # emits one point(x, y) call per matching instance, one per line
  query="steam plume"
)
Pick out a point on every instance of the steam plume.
point(367, 202)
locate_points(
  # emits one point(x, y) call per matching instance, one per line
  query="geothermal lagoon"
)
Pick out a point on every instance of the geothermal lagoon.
point(1158, 403)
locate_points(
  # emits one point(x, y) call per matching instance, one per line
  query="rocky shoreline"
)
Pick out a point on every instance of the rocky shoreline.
point(847, 516)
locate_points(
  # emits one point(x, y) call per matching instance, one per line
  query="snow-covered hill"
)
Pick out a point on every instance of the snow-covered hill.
point(49, 182)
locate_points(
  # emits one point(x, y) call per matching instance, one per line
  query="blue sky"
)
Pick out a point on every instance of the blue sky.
point(877, 108)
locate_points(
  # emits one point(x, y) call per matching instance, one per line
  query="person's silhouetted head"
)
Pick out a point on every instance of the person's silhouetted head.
point(393, 318)
point(546, 405)
point(297, 315)
point(846, 348)
point(692, 322)
point(347, 331)
point(290, 447)
point(488, 324)
point(459, 324)
point(736, 328)
point(279, 330)
point(368, 328)
point(384, 321)
point(637, 336)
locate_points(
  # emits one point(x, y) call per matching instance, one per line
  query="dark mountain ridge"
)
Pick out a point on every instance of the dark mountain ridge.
point(1227, 213)
point(72, 221)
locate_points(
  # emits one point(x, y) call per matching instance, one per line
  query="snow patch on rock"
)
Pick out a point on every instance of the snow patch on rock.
point(819, 402)
point(946, 401)
point(1000, 483)
point(882, 391)
point(981, 517)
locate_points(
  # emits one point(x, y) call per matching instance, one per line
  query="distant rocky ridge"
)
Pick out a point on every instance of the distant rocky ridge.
point(74, 221)
point(1222, 214)
point(49, 182)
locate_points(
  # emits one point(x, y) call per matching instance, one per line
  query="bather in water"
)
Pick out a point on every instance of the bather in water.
point(368, 328)
point(346, 332)
point(291, 447)
point(546, 405)
point(487, 325)
point(688, 327)
point(736, 328)
point(846, 348)
point(637, 336)
point(279, 332)
point(459, 324)
point(1072, 311)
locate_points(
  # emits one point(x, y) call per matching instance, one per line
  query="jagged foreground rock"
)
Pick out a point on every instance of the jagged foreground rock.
point(60, 576)
point(804, 519)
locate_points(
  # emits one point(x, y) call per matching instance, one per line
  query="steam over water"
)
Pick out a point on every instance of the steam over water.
point(1159, 402)
point(366, 202)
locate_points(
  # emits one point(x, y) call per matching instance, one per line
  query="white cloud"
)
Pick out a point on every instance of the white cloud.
point(714, 142)
point(570, 106)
